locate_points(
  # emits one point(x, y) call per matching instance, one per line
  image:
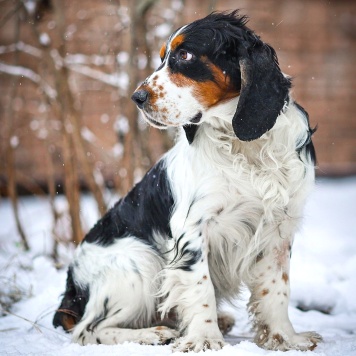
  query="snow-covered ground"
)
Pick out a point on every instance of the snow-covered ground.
point(323, 280)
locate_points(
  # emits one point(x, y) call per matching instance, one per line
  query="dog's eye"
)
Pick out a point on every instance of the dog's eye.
point(185, 56)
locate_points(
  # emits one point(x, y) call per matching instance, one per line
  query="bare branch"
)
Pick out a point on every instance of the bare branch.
point(116, 80)
point(23, 72)
point(21, 47)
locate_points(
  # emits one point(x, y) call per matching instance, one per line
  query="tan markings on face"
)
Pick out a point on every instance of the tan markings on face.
point(162, 51)
point(176, 42)
point(181, 80)
point(155, 93)
point(153, 96)
point(210, 92)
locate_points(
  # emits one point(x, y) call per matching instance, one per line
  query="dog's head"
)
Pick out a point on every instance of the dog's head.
point(211, 62)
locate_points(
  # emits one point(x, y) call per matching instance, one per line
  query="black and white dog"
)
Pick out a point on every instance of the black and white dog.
point(219, 209)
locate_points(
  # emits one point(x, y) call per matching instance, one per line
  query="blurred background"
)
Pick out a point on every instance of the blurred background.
point(68, 68)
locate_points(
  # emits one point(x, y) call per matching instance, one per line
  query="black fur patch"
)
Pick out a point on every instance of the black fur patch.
point(101, 317)
point(190, 131)
point(145, 209)
point(73, 303)
point(189, 258)
point(250, 64)
point(195, 69)
point(185, 257)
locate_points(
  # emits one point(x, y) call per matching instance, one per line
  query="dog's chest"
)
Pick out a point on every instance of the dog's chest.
point(227, 191)
point(229, 200)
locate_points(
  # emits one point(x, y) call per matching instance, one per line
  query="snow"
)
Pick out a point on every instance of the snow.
point(122, 57)
point(44, 38)
point(121, 125)
point(14, 141)
point(323, 279)
point(163, 30)
point(118, 150)
point(30, 6)
point(87, 134)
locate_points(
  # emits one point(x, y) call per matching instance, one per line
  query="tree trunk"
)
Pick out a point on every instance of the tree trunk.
point(10, 150)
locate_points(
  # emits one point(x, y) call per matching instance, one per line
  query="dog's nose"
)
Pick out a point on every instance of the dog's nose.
point(140, 97)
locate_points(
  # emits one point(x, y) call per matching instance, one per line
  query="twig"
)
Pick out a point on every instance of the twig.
point(34, 324)
point(7, 330)
point(23, 318)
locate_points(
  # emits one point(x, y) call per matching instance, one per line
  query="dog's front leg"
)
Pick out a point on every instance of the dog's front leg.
point(269, 301)
point(189, 289)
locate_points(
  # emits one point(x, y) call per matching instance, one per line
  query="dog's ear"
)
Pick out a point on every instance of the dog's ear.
point(264, 90)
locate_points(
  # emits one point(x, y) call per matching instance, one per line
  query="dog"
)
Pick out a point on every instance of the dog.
point(219, 209)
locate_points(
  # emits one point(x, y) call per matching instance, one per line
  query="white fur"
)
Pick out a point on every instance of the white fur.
point(175, 105)
point(233, 200)
point(238, 204)
point(249, 198)
point(126, 275)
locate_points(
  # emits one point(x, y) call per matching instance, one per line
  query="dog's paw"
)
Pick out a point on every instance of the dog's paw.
point(196, 344)
point(299, 341)
point(225, 322)
point(158, 335)
point(305, 341)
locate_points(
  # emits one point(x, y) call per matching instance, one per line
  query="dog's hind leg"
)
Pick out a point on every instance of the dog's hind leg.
point(122, 282)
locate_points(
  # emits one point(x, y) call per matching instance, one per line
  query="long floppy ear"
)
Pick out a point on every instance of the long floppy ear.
point(264, 90)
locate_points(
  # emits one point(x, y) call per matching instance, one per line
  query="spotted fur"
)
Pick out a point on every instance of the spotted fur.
point(219, 209)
